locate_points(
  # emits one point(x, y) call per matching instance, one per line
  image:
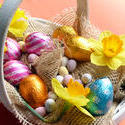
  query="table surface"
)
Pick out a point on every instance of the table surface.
point(106, 14)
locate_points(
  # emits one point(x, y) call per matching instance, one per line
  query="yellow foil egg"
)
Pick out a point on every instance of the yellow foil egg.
point(78, 48)
point(33, 90)
point(64, 32)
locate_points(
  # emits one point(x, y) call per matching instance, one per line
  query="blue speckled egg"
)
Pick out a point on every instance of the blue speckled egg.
point(101, 96)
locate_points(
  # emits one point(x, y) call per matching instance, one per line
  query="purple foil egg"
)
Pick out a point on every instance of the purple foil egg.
point(13, 50)
point(15, 71)
point(37, 42)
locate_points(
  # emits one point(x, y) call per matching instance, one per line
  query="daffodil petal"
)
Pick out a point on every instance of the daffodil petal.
point(104, 35)
point(121, 57)
point(122, 37)
point(114, 63)
point(18, 28)
point(98, 59)
point(85, 112)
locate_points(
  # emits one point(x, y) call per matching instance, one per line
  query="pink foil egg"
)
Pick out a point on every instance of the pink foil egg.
point(13, 50)
point(14, 71)
point(37, 42)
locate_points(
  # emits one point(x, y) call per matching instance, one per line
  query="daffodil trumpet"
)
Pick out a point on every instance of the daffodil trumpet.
point(109, 50)
point(75, 94)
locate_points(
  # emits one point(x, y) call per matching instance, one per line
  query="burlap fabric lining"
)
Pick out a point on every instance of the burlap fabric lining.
point(73, 116)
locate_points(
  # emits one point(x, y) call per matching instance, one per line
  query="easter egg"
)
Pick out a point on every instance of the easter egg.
point(41, 111)
point(32, 58)
point(78, 80)
point(71, 65)
point(67, 79)
point(59, 78)
point(101, 96)
point(64, 32)
point(22, 46)
point(78, 48)
point(15, 71)
point(52, 95)
point(50, 105)
point(64, 61)
point(86, 78)
point(13, 51)
point(33, 90)
point(37, 42)
point(63, 71)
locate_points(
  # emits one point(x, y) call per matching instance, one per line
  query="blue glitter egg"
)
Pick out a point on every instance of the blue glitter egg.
point(101, 96)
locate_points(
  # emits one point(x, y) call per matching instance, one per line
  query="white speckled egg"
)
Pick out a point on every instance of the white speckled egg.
point(71, 65)
point(100, 96)
point(32, 58)
point(64, 61)
point(41, 111)
point(63, 71)
point(86, 78)
point(60, 78)
point(67, 79)
point(50, 105)
point(52, 95)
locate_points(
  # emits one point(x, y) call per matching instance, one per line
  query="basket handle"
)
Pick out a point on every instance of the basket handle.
point(6, 13)
point(82, 8)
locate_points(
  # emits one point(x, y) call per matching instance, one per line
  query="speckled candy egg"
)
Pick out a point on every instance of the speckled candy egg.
point(67, 79)
point(86, 78)
point(50, 105)
point(37, 42)
point(52, 95)
point(41, 111)
point(13, 50)
point(64, 61)
point(32, 58)
point(14, 71)
point(71, 65)
point(101, 96)
point(60, 78)
point(63, 71)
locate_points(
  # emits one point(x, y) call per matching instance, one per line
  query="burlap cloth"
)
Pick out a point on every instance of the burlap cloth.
point(72, 116)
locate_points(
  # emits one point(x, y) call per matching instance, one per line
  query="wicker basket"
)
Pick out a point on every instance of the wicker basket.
point(13, 101)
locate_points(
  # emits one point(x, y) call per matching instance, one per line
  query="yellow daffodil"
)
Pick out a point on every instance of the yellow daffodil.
point(19, 23)
point(109, 50)
point(75, 93)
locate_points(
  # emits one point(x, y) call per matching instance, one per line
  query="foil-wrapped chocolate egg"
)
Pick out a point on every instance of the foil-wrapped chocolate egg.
point(15, 71)
point(64, 33)
point(37, 42)
point(13, 51)
point(33, 90)
point(101, 96)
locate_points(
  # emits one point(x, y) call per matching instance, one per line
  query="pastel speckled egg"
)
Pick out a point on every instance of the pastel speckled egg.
point(71, 65)
point(67, 79)
point(22, 46)
point(52, 95)
point(32, 58)
point(86, 78)
point(60, 78)
point(101, 96)
point(13, 50)
point(78, 80)
point(63, 71)
point(64, 61)
point(14, 71)
point(41, 111)
point(50, 105)
point(37, 42)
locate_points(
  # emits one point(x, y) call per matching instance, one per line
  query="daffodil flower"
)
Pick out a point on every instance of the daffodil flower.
point(19, 23)
point(75, 94)
point(109, 50)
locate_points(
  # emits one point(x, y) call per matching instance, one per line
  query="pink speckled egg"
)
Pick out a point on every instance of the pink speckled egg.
point(13, 50)
point(32, 58)
point(67, 79)
point(14, 71)
point(41, 111)
point(37, 42)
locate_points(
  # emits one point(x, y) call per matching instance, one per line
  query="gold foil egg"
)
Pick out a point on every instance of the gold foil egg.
point(64, 32)
point(78, 48)
point(33, 90)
